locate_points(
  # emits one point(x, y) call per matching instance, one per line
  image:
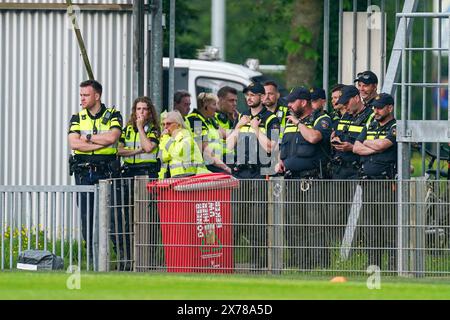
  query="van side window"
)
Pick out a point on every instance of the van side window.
point(213, 85)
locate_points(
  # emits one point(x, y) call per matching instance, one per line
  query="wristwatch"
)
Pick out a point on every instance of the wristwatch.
point(88, 137)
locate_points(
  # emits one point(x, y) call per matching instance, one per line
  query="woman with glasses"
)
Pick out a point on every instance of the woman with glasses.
point(180, 154)
point(207, 133)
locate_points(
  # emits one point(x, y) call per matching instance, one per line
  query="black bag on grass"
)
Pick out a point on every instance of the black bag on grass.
point(39, 260)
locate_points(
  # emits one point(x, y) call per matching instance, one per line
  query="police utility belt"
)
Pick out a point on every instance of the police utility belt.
point(79, 165)
point(248, 167)
point(339, 162)
point(149, 167)
point(305, 174)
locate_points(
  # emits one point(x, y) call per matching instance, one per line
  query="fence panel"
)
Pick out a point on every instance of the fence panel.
point(293, 226)
point(48, 218)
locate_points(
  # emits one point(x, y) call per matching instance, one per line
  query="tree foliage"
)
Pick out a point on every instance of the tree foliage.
point(192, 27)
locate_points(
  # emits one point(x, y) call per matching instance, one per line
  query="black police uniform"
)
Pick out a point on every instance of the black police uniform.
point(379, 197)
point(250, 158)
point(369, 102)
point(305, 232)
point(335, 117)
point(301, 158)
point(90, 167)
point(346, 165)
point(251, 211)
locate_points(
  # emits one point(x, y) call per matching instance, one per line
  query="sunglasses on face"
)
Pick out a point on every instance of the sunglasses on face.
point(166, 124)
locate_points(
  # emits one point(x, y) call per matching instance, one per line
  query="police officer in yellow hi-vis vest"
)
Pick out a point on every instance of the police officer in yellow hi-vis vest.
point(207, 132)
point(304, 152)
point(180, 154)
point(93, 136)
point(139, 142)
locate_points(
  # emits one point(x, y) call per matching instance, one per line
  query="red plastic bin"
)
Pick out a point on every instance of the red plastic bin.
point(195, 218)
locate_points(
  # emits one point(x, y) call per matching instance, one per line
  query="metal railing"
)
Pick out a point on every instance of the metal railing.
point(293, 226)
point(271, 226)
point(48, 218)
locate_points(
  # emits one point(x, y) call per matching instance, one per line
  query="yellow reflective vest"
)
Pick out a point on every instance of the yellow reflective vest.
point(207, 131)
point(131, 139)
point(180, 155)
point(83, 124)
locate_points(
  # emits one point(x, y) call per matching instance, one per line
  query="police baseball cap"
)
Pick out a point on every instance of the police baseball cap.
point(317, 93)
point(382, 100)
point(348, 92)
point(255, 87)
point(367, 77)
point(298, 93)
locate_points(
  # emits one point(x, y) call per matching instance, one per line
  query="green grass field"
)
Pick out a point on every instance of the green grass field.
point(31, 285)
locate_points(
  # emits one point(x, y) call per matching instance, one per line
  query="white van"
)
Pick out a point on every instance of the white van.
point(198, 76)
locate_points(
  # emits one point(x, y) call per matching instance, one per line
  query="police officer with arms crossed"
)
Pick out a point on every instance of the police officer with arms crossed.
point(303, 152)
point(377, 147)
point(93, 136)
point(254, 139)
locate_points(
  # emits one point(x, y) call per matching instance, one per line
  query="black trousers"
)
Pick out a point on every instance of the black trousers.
point(86, 203)
point(378, 223)
point(342, 196)
point(305, 227)
point(122, 218)
point(250, 219)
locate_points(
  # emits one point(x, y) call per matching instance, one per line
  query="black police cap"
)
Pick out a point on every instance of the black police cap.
point(367, 77)
point(298, 93)
point(317, 93)
point(382, 100)
point(255, 87)
point(348, 92)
